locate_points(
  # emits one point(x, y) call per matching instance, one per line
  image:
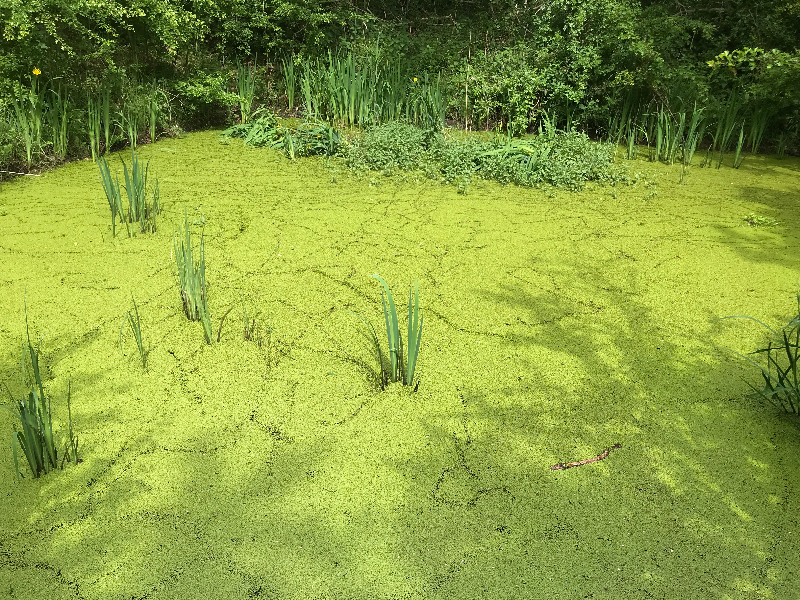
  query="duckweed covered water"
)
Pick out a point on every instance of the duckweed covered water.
point(555, 326)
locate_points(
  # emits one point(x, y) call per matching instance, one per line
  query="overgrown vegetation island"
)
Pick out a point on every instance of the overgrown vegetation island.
point(216, 387)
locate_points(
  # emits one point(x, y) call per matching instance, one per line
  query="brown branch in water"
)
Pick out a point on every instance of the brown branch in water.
point(601, 456)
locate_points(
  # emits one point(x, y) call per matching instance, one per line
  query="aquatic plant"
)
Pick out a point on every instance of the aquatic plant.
point(192, 277)
point(263, 131)
point(737, 156)
point(105, 107)
point(29, 114)
point(309, 138)
point(727, 118)
point(755, 220)
point(290, 81)
point(246, 85)
point(113, 194)
point(36, 440)
point(136, 327)
point(58, 119)
point(758, 124)
point(397, 365)
point(143, 205)
point(93, 127)
point(352, 91)
point(99, 123)
point(129, 117)
point(694, 135)
point(252, 332)
point(782, 354)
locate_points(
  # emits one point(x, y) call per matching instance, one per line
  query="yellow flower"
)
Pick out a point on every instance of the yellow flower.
point(36, 71)
point(415, 79)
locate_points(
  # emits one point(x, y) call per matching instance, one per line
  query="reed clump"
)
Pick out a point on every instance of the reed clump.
point(143, 196)
point(135, 323)
point(192, 278)
point(398, 363)
point(35, 439)
point(779, 365)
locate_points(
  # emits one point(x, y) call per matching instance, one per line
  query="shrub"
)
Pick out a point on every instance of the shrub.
point(309, 138)
point(388, 148)
point(204, 99)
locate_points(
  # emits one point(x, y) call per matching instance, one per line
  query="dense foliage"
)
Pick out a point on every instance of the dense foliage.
point(491, 64)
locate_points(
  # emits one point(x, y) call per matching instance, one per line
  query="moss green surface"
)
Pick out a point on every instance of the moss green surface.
point(555, 326)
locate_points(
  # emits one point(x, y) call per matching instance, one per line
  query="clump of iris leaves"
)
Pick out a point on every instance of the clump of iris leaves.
point(563, 159)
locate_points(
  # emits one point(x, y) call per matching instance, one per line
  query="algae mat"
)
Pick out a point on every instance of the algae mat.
point(556, 325)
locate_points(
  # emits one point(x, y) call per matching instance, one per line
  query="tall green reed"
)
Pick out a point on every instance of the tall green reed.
point(695, 133)
point(397, 364)
point(143, 200)
point(290, 81)
point(35, 440)
point(29, 111)
point(129, 118)
point(668, 131)
point(192, 278)
point(758, 124)
point(245, 85)
point(355, 92)
point(623, 124)
point(727, 119)
point(105, 111)
point(93, 127)
point(58, 120)
point(113, 194)
point(737, 156)
point(135, 323)
point(99, 125)
point(782, 355)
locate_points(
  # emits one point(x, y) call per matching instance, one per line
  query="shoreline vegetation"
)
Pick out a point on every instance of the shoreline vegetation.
point(679, 84)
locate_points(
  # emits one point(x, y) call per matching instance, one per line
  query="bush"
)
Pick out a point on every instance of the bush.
point(309, 138)
point(458, 162)
point(204, 100)
point(566, 160)
point(388, 148)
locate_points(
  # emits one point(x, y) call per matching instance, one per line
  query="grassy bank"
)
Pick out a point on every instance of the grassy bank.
point(556, 325)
